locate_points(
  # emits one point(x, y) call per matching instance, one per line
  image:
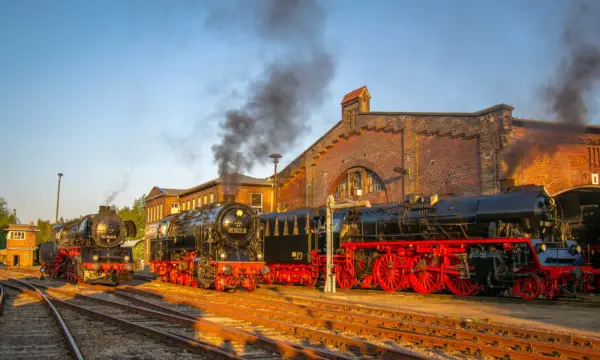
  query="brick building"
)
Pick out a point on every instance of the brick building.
point(384, 156)
point(161, 202)
point(20, 244)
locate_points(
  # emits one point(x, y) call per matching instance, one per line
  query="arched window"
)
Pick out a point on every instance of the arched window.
point(358, 178)
point(374, 183)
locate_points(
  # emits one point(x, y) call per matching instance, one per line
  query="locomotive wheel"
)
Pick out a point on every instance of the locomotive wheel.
point(283, 276)
point(424, 279)
point(173, 276)
point(529, 287)
point(456, 285)
point(388, 272)
point(307, 280)
point(344, 276)
point(269, 278)
point(249, 284)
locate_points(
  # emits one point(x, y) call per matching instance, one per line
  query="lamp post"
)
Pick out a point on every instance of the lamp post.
point(60, 175)
point(275, 157)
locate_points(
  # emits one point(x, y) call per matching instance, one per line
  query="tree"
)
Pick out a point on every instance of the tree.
point(45, 233)
point(136, 214)
point(6, 217)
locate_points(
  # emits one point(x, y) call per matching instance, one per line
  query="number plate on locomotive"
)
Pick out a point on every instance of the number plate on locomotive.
point(236, 230)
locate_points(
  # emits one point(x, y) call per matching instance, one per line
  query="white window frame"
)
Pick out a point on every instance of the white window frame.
point(259, 208)
point(16, 235)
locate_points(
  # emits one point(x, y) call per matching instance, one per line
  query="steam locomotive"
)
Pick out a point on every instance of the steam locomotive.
point(511, 241)
point(89, 249)
point(215, 246)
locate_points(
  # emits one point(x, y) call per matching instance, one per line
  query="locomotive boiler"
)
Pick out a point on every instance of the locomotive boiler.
point(90, 249)
point(215, 246)
point(513, 241)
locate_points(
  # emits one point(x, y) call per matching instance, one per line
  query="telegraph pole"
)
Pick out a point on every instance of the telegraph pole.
point(60, 175)
point(331, 205)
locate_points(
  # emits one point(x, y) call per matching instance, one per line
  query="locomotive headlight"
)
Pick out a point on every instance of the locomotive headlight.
point(126, 258)
point(540, 248)
point(227, 270)
point(223, 255)
point(575, 249)
point(259, 255)
point(95, 258)
point(239, 213)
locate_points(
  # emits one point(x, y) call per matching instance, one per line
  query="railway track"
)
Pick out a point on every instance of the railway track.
point(578, 302)
point(42, 334)
point(267, 323)
point(390, 326)
point(240, 344)
point(345, 330)
point(102, 335)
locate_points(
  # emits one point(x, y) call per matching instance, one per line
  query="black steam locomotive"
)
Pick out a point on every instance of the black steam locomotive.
point(515, 240)
point(217, 245)
point(90, 249)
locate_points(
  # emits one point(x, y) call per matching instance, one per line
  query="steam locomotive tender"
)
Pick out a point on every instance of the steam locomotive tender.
point(513, 241)
point(215, 246)
point(89, 249)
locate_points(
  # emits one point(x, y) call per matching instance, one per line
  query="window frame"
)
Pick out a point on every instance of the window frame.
point(262, 203)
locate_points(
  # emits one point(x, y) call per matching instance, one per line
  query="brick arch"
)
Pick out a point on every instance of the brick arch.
point(364, 163)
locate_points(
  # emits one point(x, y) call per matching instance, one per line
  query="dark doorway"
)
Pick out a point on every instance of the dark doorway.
point(15, 260)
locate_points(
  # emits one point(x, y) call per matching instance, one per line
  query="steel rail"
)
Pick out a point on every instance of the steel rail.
point(431, 319)
point(417, 327)
point(71, 344)
point(312, 353)
point(467, 342)
point(577, 302)
point(284, 348)
point(203, 348)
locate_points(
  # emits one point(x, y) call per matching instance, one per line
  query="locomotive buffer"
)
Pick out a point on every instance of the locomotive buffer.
point(331, 206)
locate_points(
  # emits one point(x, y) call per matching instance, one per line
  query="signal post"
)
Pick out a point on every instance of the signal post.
point(331, 206)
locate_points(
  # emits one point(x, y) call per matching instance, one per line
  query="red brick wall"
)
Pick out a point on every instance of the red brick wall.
point(377, 151)
point(448, 165)
point(561, 168)
point(292, 194)
point(244, 195)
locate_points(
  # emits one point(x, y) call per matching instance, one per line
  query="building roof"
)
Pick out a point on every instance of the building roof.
point(353, 94)
point(170, 191)
point(554, 125)
point(240, 178)
point(22, 227)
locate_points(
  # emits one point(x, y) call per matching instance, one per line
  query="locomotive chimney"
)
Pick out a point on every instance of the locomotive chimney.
point(506, 185)
point(103, 209)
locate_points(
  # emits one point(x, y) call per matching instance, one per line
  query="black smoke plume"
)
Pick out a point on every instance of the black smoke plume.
point(279, 102)
point(569, 95)
point(113, 194)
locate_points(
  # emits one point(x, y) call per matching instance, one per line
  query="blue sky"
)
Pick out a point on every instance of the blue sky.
point(94, 89)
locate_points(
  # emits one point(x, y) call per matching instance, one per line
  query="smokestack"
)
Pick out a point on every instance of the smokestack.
point(280, 101)
point(575, 79)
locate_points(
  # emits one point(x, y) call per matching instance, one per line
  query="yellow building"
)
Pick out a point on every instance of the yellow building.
point(20, 244)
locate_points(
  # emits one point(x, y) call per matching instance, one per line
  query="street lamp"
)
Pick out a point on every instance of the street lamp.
point(275, 157)
point(60, 175)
